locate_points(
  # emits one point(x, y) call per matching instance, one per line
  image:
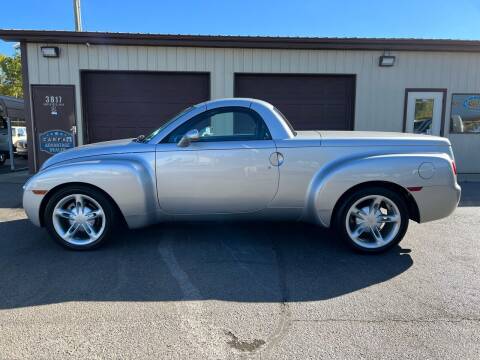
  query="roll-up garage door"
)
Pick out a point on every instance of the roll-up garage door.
point(120, 104)
point(310, 102)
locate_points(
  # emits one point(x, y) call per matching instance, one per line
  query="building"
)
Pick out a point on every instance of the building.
point(91, 87)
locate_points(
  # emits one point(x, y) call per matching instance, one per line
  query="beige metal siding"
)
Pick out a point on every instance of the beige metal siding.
point(379, 95)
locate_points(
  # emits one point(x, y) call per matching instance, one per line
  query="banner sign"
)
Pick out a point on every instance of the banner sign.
point(55, 141)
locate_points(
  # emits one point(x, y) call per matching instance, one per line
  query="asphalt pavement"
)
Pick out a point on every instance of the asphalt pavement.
point(239, 290)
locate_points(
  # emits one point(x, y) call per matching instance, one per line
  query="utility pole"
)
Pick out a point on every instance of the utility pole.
point(78, 15)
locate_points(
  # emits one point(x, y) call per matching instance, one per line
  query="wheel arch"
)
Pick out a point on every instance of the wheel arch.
point(413, 210)
point(57, 188)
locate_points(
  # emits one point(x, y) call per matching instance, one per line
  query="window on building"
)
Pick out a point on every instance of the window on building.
point(423, 116)
point(465, 113)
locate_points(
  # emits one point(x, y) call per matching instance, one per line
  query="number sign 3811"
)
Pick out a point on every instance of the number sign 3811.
point(53, 99)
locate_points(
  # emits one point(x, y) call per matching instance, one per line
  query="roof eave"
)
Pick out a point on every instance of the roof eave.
point(62, 37)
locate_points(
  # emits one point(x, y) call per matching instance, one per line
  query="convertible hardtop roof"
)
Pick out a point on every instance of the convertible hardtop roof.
point(235, 102)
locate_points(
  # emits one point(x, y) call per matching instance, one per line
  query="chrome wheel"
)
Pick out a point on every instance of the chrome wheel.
point(373, 221)
point(78, 219)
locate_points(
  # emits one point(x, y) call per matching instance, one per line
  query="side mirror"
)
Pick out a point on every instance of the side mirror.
point(188, 138)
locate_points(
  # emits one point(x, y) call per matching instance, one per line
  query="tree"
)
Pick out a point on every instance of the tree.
point(11, 75)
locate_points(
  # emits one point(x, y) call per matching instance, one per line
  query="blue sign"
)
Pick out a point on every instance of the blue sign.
point(55, 141)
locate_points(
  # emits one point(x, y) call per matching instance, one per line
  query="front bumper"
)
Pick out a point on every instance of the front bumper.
point(31, 205)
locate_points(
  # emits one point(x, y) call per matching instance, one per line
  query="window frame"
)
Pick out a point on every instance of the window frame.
point(262, 129)
point(451, 113)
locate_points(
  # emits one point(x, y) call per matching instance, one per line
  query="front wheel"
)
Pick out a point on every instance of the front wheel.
point(3, 158)
point(373, 220)
point(79, 217)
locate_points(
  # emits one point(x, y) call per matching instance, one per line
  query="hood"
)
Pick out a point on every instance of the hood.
point(379, 138)
point(102, 148)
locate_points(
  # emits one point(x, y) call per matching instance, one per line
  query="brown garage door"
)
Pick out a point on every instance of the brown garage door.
point(310, 102)
point(126, 104)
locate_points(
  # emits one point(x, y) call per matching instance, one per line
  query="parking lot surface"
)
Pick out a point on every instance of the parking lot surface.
point(244, 290)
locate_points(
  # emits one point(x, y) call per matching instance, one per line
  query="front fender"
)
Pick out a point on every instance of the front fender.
point(129, 182)
point(332, 181)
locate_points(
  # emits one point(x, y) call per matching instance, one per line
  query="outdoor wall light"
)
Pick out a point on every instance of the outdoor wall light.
point(50, 51)
point(386, 60)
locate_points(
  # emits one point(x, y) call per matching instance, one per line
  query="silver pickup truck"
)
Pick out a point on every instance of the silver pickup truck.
point(241, 159)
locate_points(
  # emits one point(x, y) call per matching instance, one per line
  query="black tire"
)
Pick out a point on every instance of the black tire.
point(3, 158)
point(109, 211)
point(342, 212)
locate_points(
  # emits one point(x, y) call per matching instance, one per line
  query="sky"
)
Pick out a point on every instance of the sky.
point(452, 19)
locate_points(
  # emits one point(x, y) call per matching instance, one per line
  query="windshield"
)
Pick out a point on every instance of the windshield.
point(168, 122)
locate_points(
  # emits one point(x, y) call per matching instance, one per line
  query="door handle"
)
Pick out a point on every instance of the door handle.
point(276, 158)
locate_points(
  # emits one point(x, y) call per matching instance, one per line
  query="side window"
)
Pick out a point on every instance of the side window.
point(225, 124)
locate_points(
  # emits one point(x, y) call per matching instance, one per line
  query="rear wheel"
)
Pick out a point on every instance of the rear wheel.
point(79, 217)
point(373, 219)
point(3, 158)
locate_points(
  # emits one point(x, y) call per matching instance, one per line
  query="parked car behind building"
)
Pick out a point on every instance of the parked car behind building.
point(13, 109)
point(3, 141)
point(21, 148)
point(18, 133)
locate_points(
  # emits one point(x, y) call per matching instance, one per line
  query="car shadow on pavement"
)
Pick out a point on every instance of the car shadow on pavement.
point(245, 262)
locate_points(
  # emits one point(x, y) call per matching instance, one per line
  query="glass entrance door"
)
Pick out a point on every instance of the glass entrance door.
point(424, 112)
